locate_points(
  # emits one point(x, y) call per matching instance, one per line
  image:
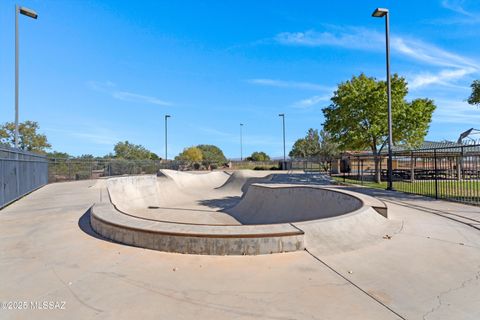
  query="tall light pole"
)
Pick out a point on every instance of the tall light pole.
point(380, 13)
point(32, 14)
point(284, 154)
point(241, 142)
point(166, 137)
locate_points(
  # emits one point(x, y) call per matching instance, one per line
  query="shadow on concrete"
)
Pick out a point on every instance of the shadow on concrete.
point(221, 203)
point(85, 226)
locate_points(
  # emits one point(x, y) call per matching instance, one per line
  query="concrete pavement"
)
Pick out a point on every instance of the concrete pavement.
point(428, 269)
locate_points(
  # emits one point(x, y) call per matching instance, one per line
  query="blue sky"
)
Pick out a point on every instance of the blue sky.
point(96, 72)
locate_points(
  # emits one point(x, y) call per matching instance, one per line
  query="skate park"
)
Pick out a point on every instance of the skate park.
point(388, 255)
point(239, 160)
point(237, 213)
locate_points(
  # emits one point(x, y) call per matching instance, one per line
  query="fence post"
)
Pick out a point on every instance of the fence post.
point(460, 166)
point(435, 168)
point(358, 168)
point(412, 167)
point(361, 170)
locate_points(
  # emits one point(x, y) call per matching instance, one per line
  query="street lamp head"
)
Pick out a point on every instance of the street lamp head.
point(380, 13)
point(167, 116)
point(281, 115)
point(28, 12)
point(241, 124)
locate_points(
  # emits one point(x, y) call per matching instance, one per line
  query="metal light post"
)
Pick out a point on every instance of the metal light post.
point(32, 14)
point(380, 13)
point(241, 142)
point(166, 137)
point(284, 154)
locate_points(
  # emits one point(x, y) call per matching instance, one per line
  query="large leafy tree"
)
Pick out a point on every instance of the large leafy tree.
point(315, 144)
point(130, 151)
point(212, 155)
point(306, 147)
point(357, 117)
point(258, 156)
point(192, 154)
point(28, 136)
point(328, 149)
point(475, 95)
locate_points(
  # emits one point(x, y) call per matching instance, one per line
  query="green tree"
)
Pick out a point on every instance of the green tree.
point(328, 150)
point(191, 155)
point(212, 155)
point(357, 116)
point(86, 157)
point(130, 151)
point(28, 137)
point(474, 98)
point(58, 155)
point(258, 156)
point(306, 147)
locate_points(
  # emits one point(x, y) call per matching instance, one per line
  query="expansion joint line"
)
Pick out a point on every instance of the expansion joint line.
point(355, 285)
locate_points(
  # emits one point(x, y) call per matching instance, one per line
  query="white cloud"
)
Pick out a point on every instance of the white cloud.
point(134, 97)
point(452, 66)
point(111, 89)
point(308, 102)
point(456, 111)
point(430, 54)
point(349, 37)
point(461, 15)
point(288, 84)
point(94, 134)
point(456, 6)
point(444, 77)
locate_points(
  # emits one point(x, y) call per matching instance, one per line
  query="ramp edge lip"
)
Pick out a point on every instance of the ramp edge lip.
point(295, 232)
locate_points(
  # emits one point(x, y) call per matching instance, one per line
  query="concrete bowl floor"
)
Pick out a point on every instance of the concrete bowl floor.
point(198, 198)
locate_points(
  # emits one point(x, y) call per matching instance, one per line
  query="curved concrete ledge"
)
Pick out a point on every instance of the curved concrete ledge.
point(194, 239)
point(284, 203)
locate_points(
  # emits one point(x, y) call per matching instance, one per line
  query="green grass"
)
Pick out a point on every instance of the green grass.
point(464, 191)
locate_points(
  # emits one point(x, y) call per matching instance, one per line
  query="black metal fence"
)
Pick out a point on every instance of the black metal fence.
point(450, 173)
point(20, 173)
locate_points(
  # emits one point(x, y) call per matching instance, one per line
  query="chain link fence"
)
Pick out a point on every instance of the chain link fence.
point(81, 169)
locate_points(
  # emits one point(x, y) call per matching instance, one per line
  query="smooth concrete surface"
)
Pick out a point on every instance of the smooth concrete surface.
point(267, 214)
point(428, 269)
point(194, 239)
point(219, 198)
point(285, 203)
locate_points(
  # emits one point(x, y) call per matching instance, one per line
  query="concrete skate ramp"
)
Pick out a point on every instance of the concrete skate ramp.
point(208, 213)
point(267, 204)
point(167, 189)
point(239, 181)
point(188, 180)
point(186, 197)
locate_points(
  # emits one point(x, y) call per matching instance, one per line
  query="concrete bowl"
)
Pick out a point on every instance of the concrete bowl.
point(261, 218)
